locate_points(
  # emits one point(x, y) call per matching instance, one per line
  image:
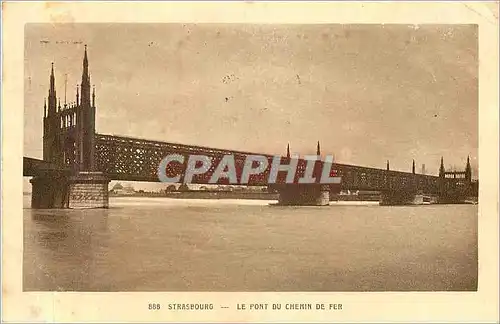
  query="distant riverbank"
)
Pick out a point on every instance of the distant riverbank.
point(229, 195)
point(195, 194)
point(206, 195)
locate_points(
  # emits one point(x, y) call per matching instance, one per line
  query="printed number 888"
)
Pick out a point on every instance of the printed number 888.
point(154, 306)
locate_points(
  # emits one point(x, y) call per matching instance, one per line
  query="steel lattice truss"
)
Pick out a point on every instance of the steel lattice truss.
point(363, 178)
point(133, 159)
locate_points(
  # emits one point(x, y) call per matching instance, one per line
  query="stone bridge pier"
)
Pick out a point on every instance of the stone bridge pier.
point(89, 190)
point(49, 191)
point(79, 191)
point(303, 194)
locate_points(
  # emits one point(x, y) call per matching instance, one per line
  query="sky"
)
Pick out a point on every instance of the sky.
point(368, 93)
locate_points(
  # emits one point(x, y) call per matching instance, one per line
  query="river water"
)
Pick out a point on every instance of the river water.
point(162, 244)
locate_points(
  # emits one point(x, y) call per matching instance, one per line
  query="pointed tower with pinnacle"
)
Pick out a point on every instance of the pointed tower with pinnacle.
point(51, 138)
point(441, 169)
point(468, 171)
point(69, 143)
point(52, 93)
point(69, 129)
point(86, 119)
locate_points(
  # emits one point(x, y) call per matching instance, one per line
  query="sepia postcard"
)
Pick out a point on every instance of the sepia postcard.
point(250, 161)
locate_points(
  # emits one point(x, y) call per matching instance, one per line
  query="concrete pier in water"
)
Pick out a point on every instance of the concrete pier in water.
point(89, 190)
point(304, 195)
point(83, 190)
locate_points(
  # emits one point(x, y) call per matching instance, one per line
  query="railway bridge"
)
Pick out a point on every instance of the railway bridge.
point(78, 164)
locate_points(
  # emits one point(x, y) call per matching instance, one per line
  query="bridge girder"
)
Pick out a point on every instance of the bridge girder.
point(133, 159)
point(36, 167)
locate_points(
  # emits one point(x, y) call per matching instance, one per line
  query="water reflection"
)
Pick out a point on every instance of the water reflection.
point(62, 247)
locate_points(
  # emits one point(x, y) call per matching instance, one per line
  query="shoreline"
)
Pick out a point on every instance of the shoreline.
point(218, 195)
point(252, 196)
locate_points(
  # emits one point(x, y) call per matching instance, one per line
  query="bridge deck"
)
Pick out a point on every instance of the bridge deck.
point(34, 167)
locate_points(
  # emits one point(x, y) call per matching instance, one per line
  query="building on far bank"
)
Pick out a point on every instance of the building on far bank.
point(118, 189)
